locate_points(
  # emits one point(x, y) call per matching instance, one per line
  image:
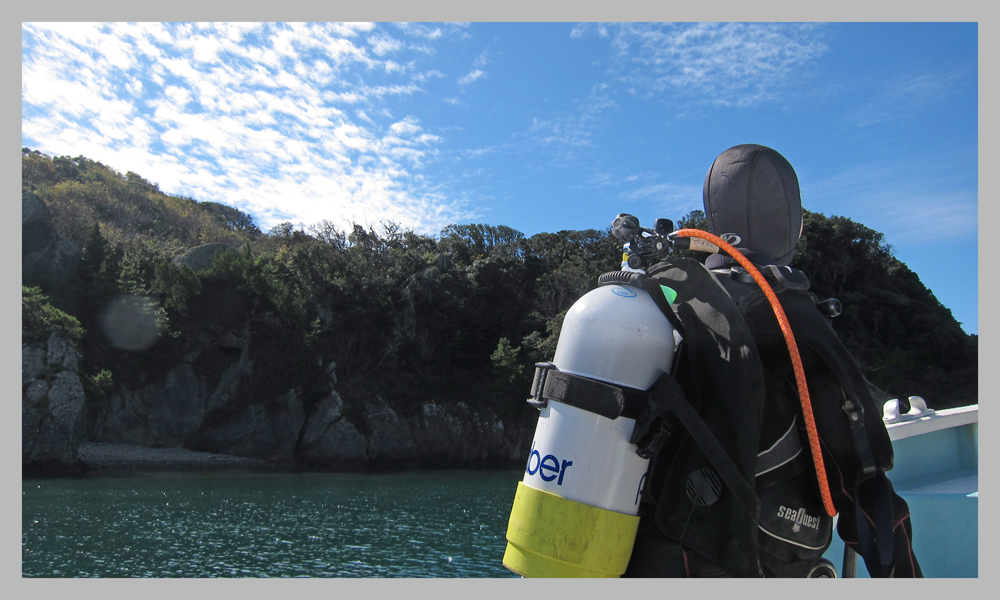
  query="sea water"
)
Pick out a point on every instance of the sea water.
point(411, 524)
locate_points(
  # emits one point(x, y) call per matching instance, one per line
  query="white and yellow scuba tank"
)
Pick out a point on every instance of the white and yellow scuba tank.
point(575, 511)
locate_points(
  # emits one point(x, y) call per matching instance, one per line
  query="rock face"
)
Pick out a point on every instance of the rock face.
point(183, 411)
point(47, 259)
point(223, 394)
point(52, 406)
point(329, 438)
point(437, 437)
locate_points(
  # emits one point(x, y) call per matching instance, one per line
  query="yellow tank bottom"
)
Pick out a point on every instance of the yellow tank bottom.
point(549, 536)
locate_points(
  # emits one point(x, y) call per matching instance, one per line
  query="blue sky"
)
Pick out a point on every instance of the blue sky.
point(539, 126)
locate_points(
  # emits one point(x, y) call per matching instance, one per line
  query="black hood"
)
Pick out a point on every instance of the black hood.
point(752, 191)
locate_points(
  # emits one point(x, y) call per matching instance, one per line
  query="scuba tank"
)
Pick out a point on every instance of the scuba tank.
point(575, 511)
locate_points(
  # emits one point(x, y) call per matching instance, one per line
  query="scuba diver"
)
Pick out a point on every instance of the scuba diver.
point(704, 420)
point(741, 493)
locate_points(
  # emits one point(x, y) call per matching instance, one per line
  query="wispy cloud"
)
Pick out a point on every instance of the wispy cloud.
point(432, 74)
point(482, 60)
point(384, 44)
point(573, 128)
point(912, 201)
point(719, 64)
point(902, 96)
point(674, 199)
point(420, 31)
point(473, 75)
point(287, 122)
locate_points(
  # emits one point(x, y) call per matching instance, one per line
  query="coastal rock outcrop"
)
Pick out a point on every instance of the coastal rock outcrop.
point(52, 406)
point(455, 435)
point(233, 382)
point(331, 439)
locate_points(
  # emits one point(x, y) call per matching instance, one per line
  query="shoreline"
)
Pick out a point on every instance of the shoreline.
point(106, 459)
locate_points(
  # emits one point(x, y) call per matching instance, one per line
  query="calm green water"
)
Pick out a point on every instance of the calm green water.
point(415, 524)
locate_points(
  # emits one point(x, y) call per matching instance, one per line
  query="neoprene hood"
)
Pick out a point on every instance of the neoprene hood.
point(753, 191)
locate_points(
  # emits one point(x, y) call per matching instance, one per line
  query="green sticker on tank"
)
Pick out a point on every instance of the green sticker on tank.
point(669, 294)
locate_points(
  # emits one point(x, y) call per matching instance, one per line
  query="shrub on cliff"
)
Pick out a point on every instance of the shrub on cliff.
point(39, 318)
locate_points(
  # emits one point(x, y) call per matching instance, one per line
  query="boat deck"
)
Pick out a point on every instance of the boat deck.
point(936, 471)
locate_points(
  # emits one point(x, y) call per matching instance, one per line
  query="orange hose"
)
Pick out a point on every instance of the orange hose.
point(793, 350)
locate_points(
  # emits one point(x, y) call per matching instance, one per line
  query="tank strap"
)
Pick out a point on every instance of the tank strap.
point(601, 398)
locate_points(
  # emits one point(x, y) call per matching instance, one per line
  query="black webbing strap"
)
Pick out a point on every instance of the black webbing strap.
point(605, 399)
point(877, 550)
point(856, 419)
point(667, 394)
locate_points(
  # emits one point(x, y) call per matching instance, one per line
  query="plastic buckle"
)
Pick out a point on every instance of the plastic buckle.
point(538, 384)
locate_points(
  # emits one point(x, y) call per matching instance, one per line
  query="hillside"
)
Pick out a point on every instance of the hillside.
point(375, 346)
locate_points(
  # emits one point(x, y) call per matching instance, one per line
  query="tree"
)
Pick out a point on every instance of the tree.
point(39, 318)
point(468, 242)
point(901, 336)
point(505, 361)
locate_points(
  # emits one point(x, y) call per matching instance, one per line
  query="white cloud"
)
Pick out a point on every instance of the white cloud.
point(724, 64)
point(901, 96)
point(350, 29)
point(406, 126)
point(911, 200)
point(206, 49)
point(180, 96)
point(390, 90)
point(670, 200)
point(573, 129)
point(422, 77)
point(384, 44)
point(421, 31)
point(245, 114)
point(473, 75)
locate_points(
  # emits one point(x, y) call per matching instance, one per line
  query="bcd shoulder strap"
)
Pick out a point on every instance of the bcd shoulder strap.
point(721, 377)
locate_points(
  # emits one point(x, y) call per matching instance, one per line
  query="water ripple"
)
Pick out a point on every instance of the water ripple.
point(417, 524)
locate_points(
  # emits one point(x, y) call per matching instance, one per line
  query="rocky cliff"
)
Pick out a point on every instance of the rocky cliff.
point(203, 403)
point(233, 379)
point(52, 406)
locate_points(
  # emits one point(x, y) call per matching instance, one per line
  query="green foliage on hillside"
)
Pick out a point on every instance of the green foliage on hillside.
point(462, 317)
point(39, 318)
point(906, 342)
point(81, 193)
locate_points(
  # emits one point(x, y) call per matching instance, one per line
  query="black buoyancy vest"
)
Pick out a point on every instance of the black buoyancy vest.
point(735, 373)
point(720, 374)
point(856, 456)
